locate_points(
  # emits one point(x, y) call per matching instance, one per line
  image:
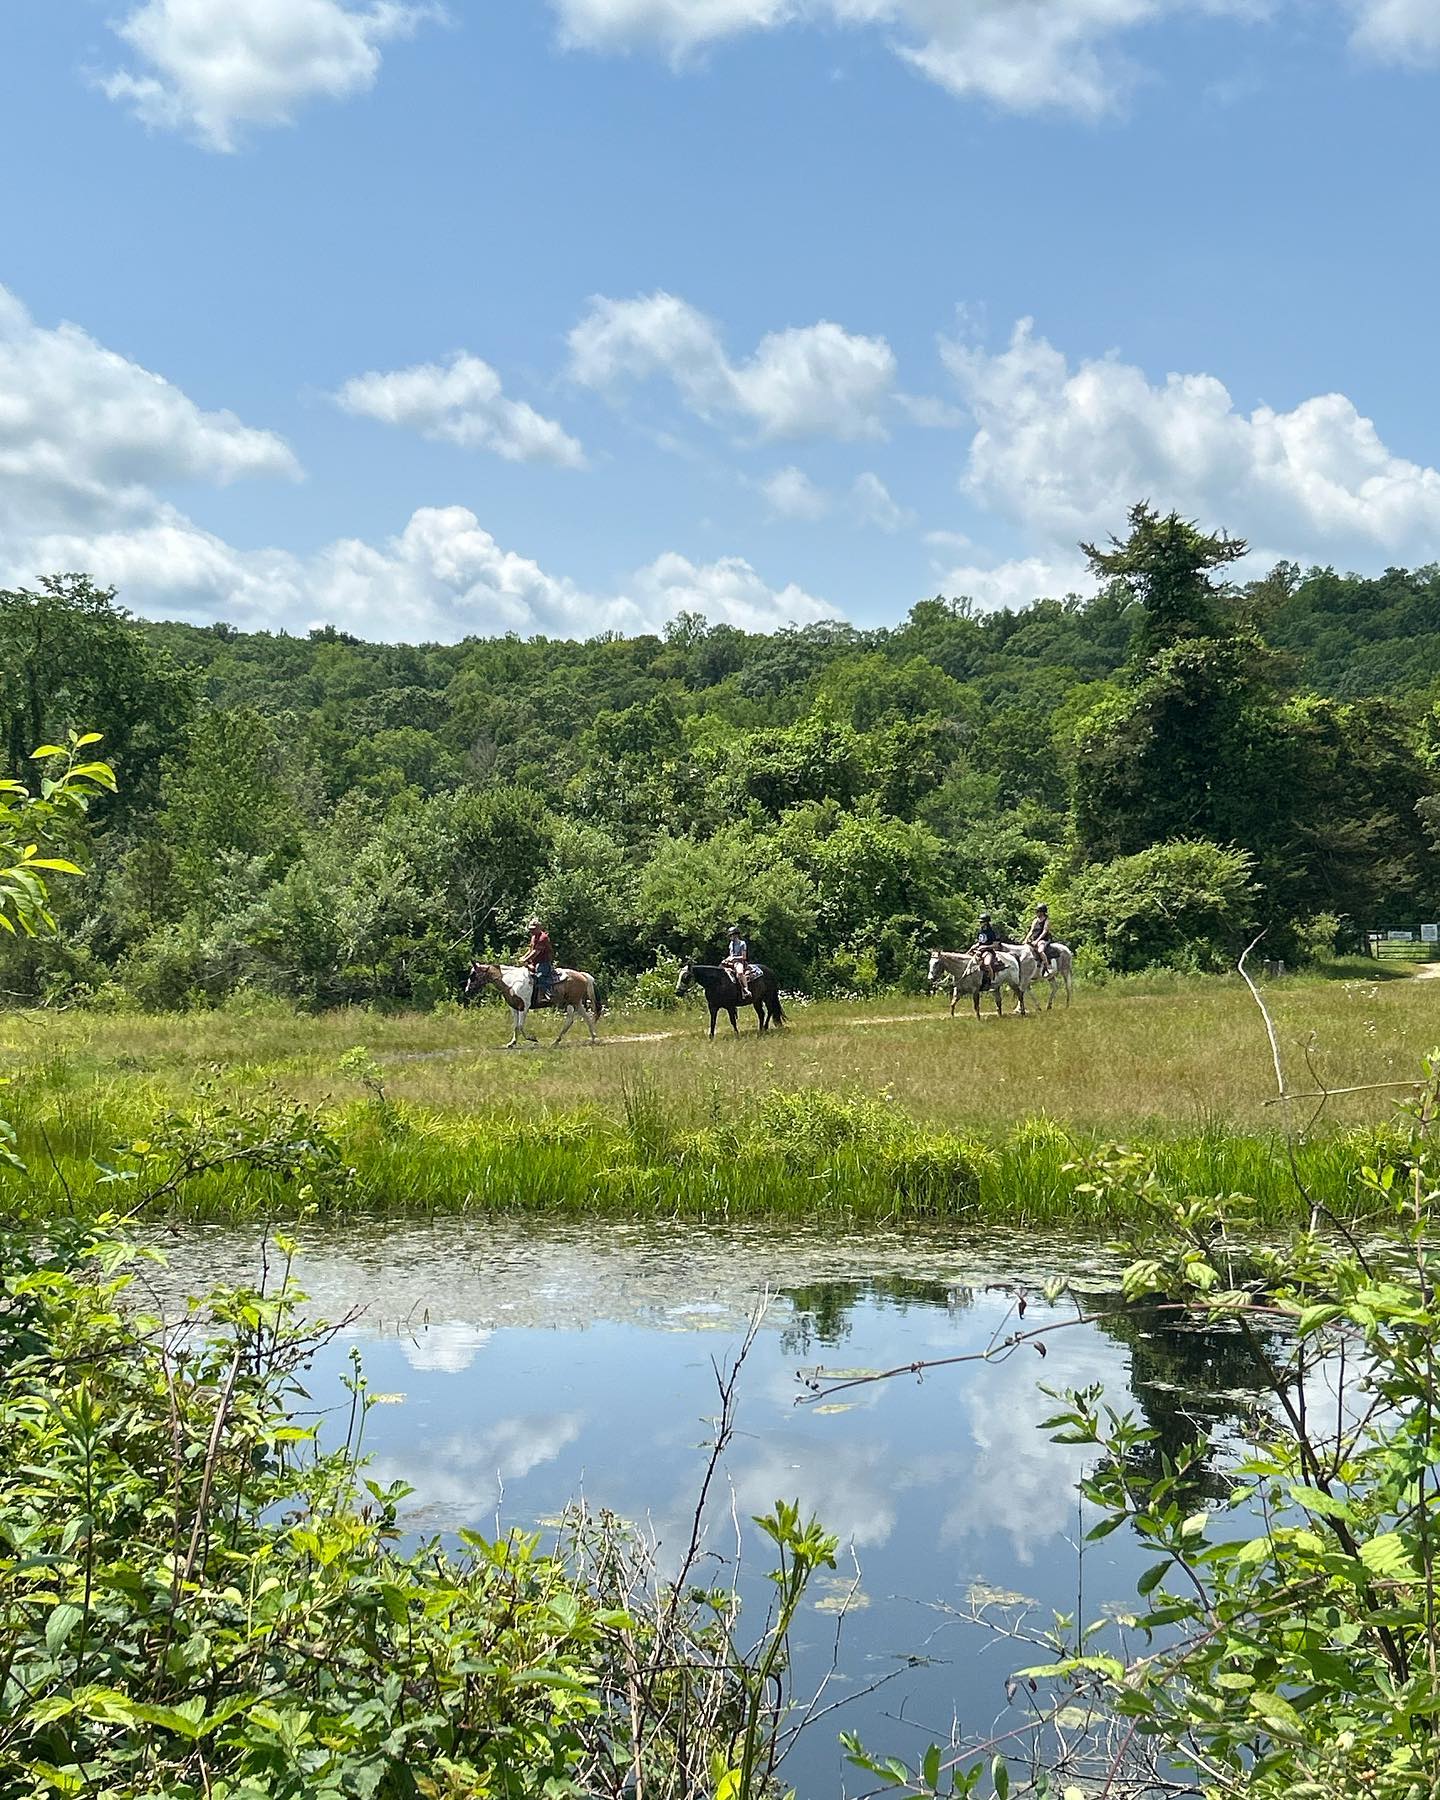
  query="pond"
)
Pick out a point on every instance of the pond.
point(525, 1366)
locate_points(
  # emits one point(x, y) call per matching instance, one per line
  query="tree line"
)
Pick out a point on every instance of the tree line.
point(1172, 763)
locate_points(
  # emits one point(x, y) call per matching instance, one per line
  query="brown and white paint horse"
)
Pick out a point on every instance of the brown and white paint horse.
point(572, 988)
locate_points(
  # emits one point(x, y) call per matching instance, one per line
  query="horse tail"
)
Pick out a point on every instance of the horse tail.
point(777, 1011)
point(597, 1005)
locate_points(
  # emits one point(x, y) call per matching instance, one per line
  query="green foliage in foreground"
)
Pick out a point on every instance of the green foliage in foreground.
point(198, 1599)
point(1285, 1642)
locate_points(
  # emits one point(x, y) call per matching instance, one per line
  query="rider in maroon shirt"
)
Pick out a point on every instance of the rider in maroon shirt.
point(540, 957)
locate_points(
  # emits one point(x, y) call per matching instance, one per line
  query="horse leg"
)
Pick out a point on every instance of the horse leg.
point(975, 997)
point(760, 1014)
point(1021, 993)
point(515, 1020)
point(954, 1000)
point(1051, 1006)
point(569, 1021)
point(714, 1015)
point(590, 1023)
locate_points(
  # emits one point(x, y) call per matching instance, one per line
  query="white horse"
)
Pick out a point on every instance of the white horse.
point(572, 988)
point(1015, 965)
point(1061, 968)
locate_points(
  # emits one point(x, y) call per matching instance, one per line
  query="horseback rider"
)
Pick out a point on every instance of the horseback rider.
point(987, 949)
point(539, 959)
point(1040, 937)
point(737, 960)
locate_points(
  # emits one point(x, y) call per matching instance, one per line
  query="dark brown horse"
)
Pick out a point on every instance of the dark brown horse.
point(722, 991)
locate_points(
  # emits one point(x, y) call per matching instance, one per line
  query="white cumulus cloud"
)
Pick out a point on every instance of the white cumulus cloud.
point(1025, 55)
point(871, 504)
point(441, 578)
point(676, 26)
point(463, 402)
point(1065, 449)
point(1016, 583)
point(213, 67)
point(728, 589)
point(810, 381)
point(86, 434)
point(90, 440)
point(1401, 31)
point(791, 494)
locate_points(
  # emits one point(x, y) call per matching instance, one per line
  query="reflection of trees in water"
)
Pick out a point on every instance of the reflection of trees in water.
point(823, 1309)
point(1188, 1382)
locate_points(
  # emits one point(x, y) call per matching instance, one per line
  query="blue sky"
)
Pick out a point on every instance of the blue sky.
point(568, 316)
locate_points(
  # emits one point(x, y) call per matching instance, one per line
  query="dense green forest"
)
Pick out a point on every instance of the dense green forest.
point(1174, 762)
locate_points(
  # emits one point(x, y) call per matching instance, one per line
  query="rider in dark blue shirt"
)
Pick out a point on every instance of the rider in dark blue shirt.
point(986, 947)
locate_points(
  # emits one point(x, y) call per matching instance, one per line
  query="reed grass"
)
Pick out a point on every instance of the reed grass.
point(882, 1112)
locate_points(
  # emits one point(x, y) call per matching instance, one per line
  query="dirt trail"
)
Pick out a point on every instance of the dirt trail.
point(1426, 972)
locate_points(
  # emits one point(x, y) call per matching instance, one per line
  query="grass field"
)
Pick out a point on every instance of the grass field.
point(657, 1117)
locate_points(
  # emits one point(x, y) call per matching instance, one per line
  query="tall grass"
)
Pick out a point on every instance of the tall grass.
point(802, 1154)
point(885, 1112)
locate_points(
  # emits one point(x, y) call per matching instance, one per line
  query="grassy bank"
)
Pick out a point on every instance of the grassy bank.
point(1133, 1058)
point(870, 1112)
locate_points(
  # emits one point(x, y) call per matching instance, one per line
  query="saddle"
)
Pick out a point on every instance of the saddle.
point(541, 997)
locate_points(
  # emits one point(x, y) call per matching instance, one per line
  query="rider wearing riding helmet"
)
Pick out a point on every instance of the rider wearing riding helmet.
point(1040, 936)
point(539, 958)
point(987, 947)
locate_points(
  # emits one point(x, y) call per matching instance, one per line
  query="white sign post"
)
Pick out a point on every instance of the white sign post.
point(1430, 934)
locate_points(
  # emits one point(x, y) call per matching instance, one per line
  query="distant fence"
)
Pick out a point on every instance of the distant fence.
point(1412, 943)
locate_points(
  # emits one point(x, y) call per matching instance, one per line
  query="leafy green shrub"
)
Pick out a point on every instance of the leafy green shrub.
point(654, 989)
point(178, 967)
point(939, 1174)
point(850, 973)
point(197, 1598)
point(1186, 904)
point(805, 1125)
point(1316, 939)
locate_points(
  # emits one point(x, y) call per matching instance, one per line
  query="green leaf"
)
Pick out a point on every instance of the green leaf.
point(1313, 1317)
point(1000, 1775)
point(930, 1768)
point(1277, 1714)
point(186, 1720)
point(1152, 1577)
point(1314, 1500)
point(62, 1621)
point(1386, 1557)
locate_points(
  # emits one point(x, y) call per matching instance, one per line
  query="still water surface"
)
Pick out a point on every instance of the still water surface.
point(527, 1365)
